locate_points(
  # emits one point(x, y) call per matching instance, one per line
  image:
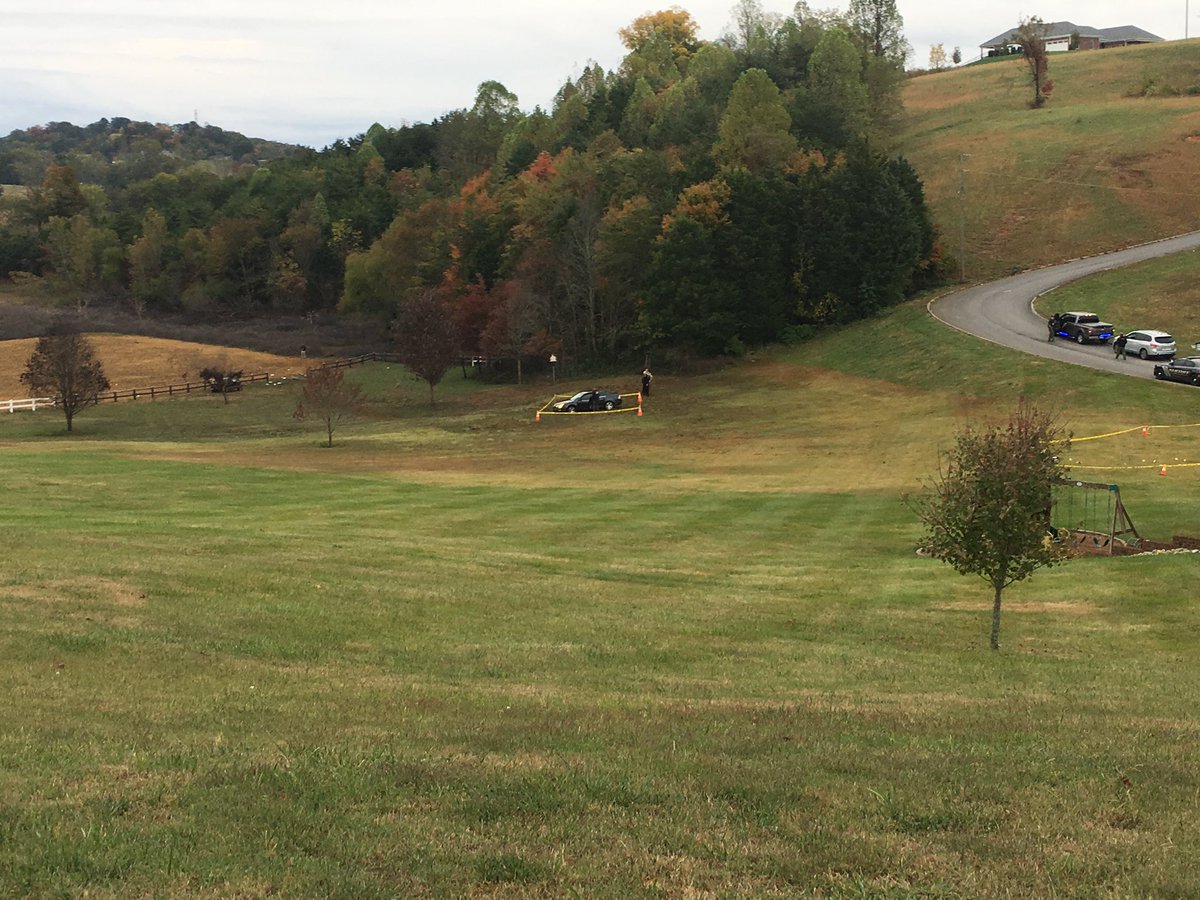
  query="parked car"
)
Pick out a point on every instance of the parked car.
point(589, 401)
point(1185, 369)
point(1083, 327)
point(1149, 343)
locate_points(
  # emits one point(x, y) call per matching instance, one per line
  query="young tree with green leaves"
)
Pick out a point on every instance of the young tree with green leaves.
point(64, 365)
point(989, 513)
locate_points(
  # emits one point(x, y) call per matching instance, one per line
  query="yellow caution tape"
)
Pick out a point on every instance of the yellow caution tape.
point(1096, 437)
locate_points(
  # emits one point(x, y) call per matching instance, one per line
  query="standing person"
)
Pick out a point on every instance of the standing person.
point(1119, 346)
point(646, 379)
point(1052, 325)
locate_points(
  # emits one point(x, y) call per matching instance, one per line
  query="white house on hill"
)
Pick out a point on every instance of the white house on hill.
point(1062, 36)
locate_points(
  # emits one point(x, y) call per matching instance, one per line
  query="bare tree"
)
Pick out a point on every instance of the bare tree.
point(426, 340)
point(1031, 35)
point(989, 513)
point(64, 365)
point(329, 398)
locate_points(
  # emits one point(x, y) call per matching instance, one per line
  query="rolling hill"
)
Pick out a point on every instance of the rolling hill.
point(1112, 159)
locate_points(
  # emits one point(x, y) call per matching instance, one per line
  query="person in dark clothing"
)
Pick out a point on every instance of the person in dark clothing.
point(1052, 326)
point(1119, 346)
point(646, 379)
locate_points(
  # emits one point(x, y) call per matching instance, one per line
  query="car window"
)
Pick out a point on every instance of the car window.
point(1137, 336)
point(1087, 319)
point(1165, 339)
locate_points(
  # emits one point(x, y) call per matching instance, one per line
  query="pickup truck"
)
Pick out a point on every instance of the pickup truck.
point(1082, 327)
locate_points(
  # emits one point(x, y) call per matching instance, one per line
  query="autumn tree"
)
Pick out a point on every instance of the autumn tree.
point(937, 57)
point(425, 338)
point(64, 366)
point(676, 25)
point(988, 513)
point(328, 398)
point(1031, 35)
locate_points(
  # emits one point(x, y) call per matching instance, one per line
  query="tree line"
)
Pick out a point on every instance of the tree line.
point(705, 195)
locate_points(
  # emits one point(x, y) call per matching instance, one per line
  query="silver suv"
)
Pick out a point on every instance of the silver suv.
point(1149, 343)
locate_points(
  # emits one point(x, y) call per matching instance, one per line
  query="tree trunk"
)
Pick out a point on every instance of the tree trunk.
point(995, 643)
point(329, 432)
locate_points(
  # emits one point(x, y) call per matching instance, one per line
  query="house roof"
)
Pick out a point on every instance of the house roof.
point(1127, 33)
point(1066, 29)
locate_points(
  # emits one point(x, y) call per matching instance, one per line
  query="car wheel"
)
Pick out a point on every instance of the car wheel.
point(1079, 339)
point(1143, 354)
point(608, 404)
point(570, 409)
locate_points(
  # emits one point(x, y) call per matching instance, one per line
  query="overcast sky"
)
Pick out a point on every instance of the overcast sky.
point(311, 72)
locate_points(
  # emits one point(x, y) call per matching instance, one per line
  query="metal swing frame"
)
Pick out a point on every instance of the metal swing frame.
point(1120, 526)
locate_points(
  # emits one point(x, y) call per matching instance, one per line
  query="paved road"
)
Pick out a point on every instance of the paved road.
point(1002, 311)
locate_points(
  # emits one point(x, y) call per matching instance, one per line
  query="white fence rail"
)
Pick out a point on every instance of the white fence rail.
point(32, 404)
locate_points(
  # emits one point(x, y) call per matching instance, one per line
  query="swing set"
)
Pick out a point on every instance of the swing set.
point(1090, 517)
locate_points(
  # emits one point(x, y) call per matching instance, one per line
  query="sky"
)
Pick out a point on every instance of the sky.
point(312, 72)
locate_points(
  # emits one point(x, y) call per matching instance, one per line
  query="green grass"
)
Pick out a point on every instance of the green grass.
point(692, 652)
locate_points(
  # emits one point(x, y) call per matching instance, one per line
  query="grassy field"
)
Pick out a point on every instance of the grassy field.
point(1111, 160)
point(686, 654)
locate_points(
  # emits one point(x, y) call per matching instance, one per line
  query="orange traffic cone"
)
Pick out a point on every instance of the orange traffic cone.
point(1145, 430)
point(1162, 471)
point(537, 416)
point(639, 409)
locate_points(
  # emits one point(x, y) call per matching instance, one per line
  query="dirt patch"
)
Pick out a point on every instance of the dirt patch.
point(134, 361)
point(103, 590)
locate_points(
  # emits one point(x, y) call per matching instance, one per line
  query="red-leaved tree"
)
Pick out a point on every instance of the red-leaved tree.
point(426, 339)
point(329, 399)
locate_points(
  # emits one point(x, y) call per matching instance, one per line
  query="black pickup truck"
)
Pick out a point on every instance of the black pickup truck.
point(1082, 327)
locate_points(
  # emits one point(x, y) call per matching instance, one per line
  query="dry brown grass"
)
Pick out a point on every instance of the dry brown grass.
point(1106, 163)
point(132, 361)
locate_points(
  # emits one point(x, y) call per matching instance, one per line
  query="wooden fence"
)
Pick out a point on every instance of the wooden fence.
point(31, 404)
point(174, 390)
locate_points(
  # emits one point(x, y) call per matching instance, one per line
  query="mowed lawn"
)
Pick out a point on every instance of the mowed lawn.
point(685, 654)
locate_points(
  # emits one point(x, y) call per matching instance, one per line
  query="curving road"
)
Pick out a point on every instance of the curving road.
point(1002, 311)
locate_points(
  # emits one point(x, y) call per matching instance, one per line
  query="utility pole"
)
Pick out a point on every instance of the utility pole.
point(962, 217)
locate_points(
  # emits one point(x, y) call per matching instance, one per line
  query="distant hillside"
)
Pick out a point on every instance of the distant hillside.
point(1112, 159)
point(118, 151)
